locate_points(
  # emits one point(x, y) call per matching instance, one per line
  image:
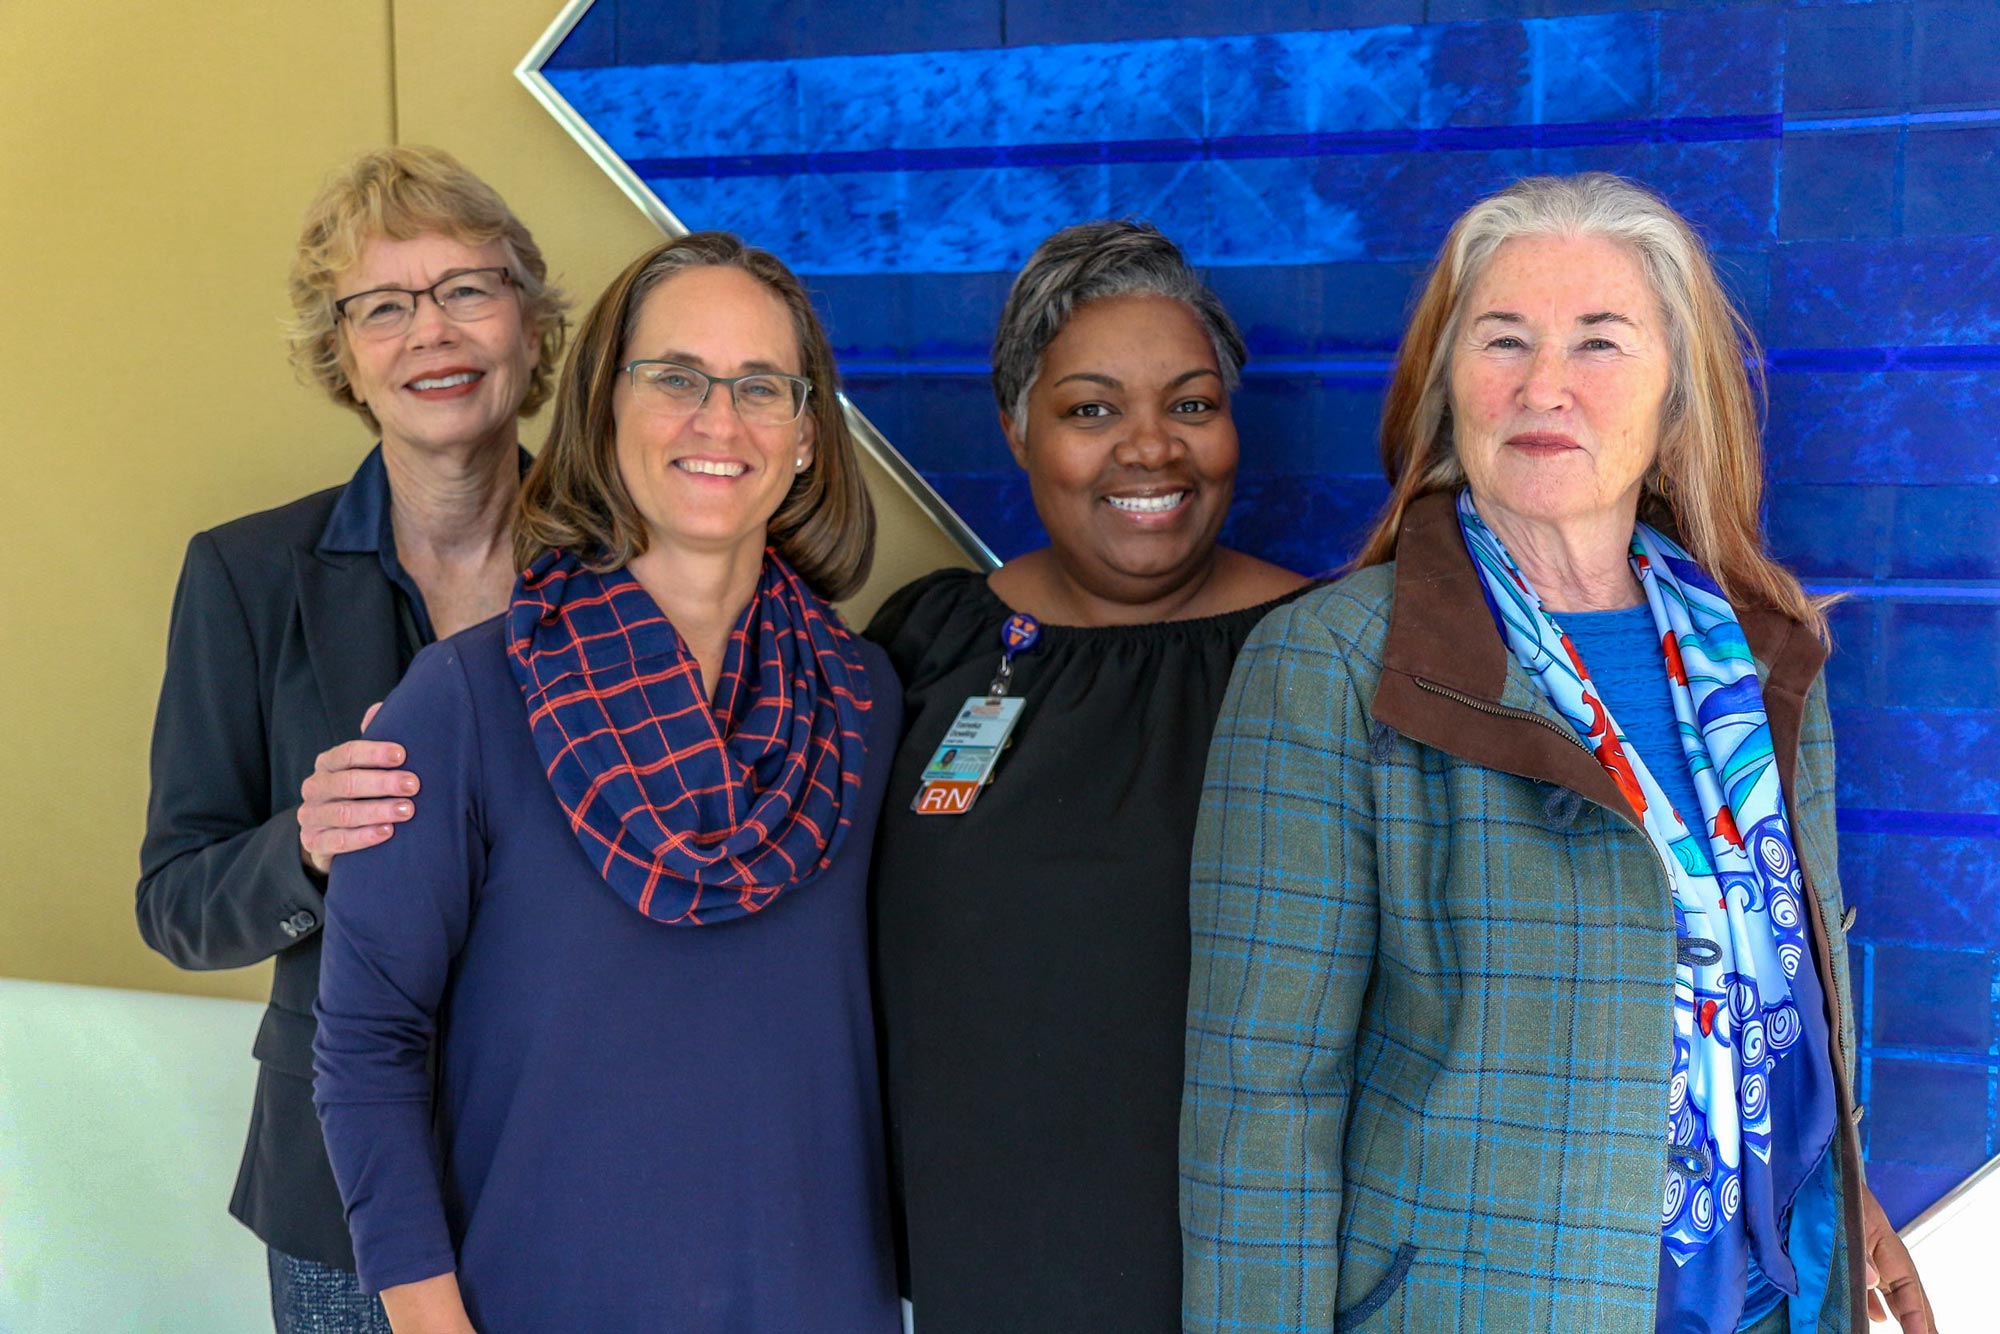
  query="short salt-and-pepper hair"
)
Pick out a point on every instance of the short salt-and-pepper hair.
point(1086, 263)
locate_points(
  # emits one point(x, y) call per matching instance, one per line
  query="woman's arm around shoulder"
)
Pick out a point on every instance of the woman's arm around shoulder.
point(1283, 910)
point(397, 916)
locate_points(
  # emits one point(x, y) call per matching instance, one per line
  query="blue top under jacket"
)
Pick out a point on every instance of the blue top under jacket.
point(630, 1125)
point(1622, 651)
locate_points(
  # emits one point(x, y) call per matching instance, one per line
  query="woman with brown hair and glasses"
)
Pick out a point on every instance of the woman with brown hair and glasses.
point(422, 303)
point(631, 919)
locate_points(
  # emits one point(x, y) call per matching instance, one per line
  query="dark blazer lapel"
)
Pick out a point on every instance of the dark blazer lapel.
point(349, 612)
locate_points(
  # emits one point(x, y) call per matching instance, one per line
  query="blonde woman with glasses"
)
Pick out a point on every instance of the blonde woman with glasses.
point(421, 303)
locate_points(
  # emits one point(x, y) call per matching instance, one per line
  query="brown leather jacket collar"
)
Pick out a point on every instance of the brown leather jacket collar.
point(1449, 682)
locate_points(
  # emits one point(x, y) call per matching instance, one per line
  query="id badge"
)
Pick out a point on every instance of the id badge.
point(963, 762)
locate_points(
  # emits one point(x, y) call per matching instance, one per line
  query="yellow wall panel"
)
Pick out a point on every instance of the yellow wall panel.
point(156, 163)
point(152, 173)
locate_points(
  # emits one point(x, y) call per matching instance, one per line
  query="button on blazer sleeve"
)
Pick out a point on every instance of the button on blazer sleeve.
point(221, 881)
point(1283, 904)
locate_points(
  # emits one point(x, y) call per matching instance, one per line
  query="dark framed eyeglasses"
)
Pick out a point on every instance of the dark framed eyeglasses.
point(766, 398)
point(465, 296)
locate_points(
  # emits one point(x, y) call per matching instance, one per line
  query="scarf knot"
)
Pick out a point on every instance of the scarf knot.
point(693, 812)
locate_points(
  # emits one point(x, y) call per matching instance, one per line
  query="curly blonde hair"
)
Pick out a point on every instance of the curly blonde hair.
point(402, 193)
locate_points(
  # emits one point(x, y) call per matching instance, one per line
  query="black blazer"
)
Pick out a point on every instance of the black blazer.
point(275, 651)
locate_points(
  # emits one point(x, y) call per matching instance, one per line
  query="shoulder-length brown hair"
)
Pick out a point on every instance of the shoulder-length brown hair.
point(1707, 484)
point(573, 497)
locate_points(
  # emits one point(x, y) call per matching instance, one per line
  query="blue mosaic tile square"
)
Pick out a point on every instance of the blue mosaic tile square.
point(763, 210)
point(1115, 20)
point(1917, 292)
point(1917, 758)
point(1839, 186)
point(1589, 68)
point(931, 99)
point(954, 314)
point(1904, 1191)
point(1280, 308)
point(1286, 310)
point(1883, 428)
point(1847, 60)
point(1281, 210)
point(1829, 531)
point(1368, 304)
point(1173, 196)
point(952, 424)
point(1377, 79)
point(1747, 276)
point(1477, 71)
point(987, 220)
point(998, 507)
point(591, 42)
point(855, 222)
point(882, 400)
point(687, 111)
point(1946, 532)
point(1263, 84)
point(1957, 57)
point(649, 33)
point(1949, 655)
point(1727, 189)
point(1464, 11)
point(1406, 202)
point(866, 316)
point(1106, 92)
point(1934, 999)
point(1854, 669)
point(1278, 426)
point(1302, 522)
point(1952, 182)
point(1300, 424)
point(1913, 889)
point(1928, 1114)
point(1725, 62)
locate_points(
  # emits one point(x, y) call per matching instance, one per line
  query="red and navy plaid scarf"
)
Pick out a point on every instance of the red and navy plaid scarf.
point(694, 813)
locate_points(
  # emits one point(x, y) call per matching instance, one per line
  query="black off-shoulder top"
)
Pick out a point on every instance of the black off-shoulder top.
point(1032, 961)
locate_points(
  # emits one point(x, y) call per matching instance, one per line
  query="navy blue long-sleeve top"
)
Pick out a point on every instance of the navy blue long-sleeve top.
point(631, 1125)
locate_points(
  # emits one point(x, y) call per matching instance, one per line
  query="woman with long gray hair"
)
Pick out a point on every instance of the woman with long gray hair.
point(1031, 934)
point(1519, 996)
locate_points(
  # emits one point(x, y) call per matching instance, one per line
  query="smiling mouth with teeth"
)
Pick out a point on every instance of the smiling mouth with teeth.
point(1147, 504)
point(711, 467)
point(446, 381)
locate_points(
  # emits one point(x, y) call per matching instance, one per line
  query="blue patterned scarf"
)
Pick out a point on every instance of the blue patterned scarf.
point(694, 813)
point(1738, 894)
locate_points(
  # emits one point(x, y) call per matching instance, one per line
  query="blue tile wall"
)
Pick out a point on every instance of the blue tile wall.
point(1843, 160)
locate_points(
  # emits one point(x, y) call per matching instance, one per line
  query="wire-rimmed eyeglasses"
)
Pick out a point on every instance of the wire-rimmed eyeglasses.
point(385, 312)
point(765, 398)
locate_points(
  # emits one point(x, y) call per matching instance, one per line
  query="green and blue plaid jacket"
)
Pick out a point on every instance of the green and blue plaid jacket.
point(1429, 1012)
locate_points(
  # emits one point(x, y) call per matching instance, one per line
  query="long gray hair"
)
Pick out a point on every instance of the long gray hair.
point(1708, 480)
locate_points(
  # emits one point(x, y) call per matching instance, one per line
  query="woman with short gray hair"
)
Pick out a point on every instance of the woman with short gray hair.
point(1031, 934)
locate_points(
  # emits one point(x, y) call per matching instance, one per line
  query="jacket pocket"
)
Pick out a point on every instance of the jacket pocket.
point(1378, 1296)
point(285, 1042)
